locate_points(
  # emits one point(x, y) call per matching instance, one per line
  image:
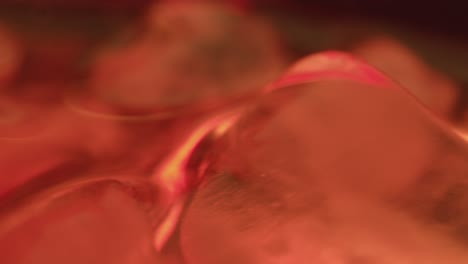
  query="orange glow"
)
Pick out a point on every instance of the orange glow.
point(168, 225)
point(171, 175)
point(332, 65)
point(172, 178)
point(101, 112)
point(183, 132)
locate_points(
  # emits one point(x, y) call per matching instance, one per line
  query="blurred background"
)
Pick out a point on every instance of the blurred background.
point(436, 29)
point(129, 55)
point(113, 86)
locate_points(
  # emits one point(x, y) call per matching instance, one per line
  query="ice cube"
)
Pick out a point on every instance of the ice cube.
point(101, 223)
point(321, 172)
point(190, 52)
point(401, 63)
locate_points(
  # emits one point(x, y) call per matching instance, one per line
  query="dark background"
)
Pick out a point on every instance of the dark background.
point(65, 31)
point(448, 17)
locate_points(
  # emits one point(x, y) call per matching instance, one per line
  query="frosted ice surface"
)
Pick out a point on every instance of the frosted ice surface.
point(322, 176)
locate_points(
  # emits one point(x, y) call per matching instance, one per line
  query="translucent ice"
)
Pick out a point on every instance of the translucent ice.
point(401, 63)
point(190, 52)
point(97, 223)
point(337, 165)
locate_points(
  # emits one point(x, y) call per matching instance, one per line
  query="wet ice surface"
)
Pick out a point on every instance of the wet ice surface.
point(334, 171)
point(347, 169)
point(297, 228)
point(331, 172)
point(333, 175)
